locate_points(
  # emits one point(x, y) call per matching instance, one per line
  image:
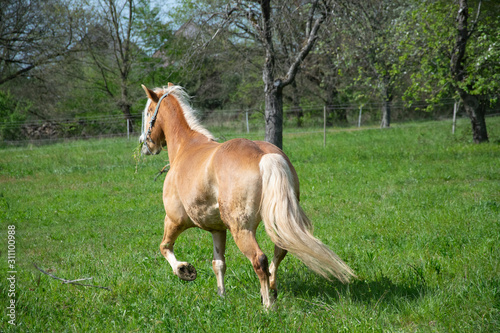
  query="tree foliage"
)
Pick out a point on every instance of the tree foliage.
point(12, 114)
point(431, 28)
point(457, 47)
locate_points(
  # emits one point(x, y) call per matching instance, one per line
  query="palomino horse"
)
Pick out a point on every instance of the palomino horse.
point(229, 186)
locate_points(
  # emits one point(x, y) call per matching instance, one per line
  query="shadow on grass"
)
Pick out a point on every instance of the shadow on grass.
point(380, 289)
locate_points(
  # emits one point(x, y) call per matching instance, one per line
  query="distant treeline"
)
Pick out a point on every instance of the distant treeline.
point(67, 66)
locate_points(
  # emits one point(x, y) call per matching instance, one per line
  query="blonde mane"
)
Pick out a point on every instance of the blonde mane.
point(189, 113)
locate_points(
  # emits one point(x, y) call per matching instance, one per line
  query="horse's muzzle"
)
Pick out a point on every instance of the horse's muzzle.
point(146, 151)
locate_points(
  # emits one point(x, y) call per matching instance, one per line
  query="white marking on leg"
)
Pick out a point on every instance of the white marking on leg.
point(172, 260)
point(219, 262)
point(219, 267)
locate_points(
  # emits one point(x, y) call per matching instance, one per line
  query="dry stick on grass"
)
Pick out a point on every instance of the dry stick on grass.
point(71, 281)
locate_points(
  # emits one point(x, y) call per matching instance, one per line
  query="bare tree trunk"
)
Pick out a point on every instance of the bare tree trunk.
point(386, 105)
point(386, 114)
point(274, 116)
point(120, 28)
point(274, 86)
point(476, 110)
point(125, 105)
point(474, 105)
point(273, 90)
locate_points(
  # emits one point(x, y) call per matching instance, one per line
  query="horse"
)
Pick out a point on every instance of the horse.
point(232, 186)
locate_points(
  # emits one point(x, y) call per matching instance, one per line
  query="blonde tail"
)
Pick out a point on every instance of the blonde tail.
point(287, 224)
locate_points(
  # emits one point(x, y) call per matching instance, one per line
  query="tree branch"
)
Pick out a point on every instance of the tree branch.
point(39, 62)
point(292, 71)
point(474, 24)
point(311, 16)
point(227, 19)
point(458, 54)
point(71, 281)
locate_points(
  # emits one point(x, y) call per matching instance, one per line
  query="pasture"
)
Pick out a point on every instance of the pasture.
point(414, 210)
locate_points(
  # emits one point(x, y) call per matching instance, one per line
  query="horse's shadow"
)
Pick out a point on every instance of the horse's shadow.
point(373, 290)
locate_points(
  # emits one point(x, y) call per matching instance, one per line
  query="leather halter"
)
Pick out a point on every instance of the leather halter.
point(151, 124)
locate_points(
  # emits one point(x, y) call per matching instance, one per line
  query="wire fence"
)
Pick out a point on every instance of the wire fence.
point(222, 123)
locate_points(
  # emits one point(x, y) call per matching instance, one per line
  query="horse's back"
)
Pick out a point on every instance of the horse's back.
point(223, 180)
point(237, 162)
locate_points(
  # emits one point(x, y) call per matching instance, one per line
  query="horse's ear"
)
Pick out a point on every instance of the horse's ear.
point(151, 94)
point(170, 84)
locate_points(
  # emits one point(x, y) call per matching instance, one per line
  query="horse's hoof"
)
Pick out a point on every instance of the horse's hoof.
point(221, 292)
point(186, 272)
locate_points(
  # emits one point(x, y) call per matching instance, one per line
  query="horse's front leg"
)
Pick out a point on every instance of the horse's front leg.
point(185, 271)
point(219, 262)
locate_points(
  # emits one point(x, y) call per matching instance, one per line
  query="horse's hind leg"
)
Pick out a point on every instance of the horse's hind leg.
point(185, 271)
point(219, 262)
point(245, 239)
point(279, 255)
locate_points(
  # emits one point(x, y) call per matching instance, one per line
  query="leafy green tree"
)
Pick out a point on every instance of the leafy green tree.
point(457, 49)
point(371, 35)
point(120, 44)
point(155, 38)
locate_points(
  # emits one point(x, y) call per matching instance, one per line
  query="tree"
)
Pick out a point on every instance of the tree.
point(372, 34)
point(274, 83)
point(117, 43)
point(474, 103)
point(456, 56)
point(116, 19)
point(12, 115)
point(269, 27)
point(325, 65)
point(34, 34)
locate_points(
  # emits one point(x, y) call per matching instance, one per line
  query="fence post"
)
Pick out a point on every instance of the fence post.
point(128, 129)
point(455, 110)
point(359, 118)
point(324, 126)
point(248, 128)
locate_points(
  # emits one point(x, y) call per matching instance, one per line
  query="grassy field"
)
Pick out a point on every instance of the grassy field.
point(413, 210)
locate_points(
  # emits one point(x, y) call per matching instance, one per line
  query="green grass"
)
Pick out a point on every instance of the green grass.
point(414, 210)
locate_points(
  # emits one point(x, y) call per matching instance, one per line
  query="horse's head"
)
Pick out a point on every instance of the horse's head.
point(152, 137)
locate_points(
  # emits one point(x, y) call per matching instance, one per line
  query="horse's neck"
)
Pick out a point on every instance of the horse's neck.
point(177, 131)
